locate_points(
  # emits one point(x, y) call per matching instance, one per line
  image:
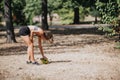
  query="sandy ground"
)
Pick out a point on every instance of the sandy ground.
point(81, 54)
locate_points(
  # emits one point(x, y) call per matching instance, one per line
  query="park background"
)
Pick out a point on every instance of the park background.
point(86, 39)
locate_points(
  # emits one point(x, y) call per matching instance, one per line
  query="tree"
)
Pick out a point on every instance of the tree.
point(17, 12)
point(1, 9)
point(44, 15)
point(76, 11)
point(76, 16)
point(8, 20)
point(71, 10)
point(31, 9)
point(95, 13)
point(1, 6)
point(53, 7)
point(109, 12)
point(74, 5)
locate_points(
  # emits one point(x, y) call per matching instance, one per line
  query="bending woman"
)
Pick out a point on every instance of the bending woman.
point(27, 34)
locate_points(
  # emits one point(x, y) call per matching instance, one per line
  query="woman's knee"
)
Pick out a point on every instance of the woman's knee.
point(30, 44)
point(30, 48)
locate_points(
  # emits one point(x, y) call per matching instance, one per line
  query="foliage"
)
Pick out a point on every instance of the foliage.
point(66, 15)
point(54, 5)
point(27, 9)
point(17, 7)
point(1, 6)
point(87, 3)
point(112, 29)
point(108, 11)
point(94, 12)
point(118, 1)
point(83, 12)
point(1, 9)
point(17, 11)
point(66, 12)
point(109, 15)
point(31, 9)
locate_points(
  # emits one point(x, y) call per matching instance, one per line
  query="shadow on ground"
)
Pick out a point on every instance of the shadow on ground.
point(12, 50)
point(60, 61)
point(67, 31)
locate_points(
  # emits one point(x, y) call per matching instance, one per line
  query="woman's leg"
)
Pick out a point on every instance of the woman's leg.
point(30, 50)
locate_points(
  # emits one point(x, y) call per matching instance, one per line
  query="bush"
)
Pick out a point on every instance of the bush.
point(109, 14)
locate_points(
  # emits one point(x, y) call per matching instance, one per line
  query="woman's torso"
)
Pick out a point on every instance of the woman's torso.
point(34, 28)
point(37, 30)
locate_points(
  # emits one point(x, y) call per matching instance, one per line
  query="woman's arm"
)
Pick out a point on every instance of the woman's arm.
point(31, 36)
point(40, 47)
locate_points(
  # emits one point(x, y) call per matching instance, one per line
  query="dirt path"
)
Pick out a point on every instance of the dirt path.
point(75, 55)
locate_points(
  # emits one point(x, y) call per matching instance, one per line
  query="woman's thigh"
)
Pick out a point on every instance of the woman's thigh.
point(27, 40)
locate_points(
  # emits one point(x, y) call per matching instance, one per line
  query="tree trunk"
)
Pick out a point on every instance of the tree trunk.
point(50, 18)
point(44, 15)
point(96, 19)
point(8, 20)
point(76, 16)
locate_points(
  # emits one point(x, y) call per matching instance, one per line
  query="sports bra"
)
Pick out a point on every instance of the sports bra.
point(35, 28)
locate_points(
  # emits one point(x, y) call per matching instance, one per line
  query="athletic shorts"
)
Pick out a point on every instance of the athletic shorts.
point(24, 31)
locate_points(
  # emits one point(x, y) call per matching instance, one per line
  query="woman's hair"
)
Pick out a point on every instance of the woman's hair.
point(48, 35)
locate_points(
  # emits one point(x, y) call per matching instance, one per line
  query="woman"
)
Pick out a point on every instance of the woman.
point(27, 34)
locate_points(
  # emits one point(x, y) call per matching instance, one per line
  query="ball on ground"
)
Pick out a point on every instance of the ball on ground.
point(44, 61)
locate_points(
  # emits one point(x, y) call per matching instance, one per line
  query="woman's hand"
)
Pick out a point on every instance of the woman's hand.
point(45, 57)
point(51, 40)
